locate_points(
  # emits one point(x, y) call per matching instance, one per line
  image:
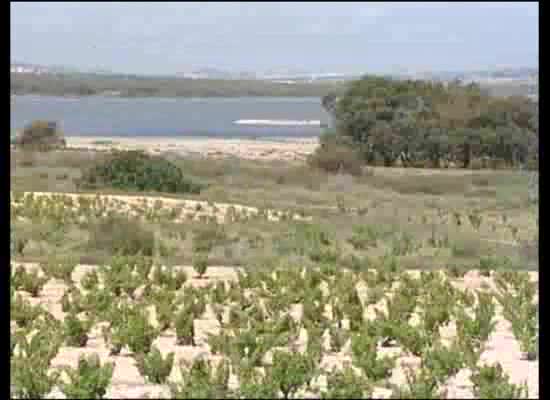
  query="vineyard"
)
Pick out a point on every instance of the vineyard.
point(272, 282)
point(200, 331)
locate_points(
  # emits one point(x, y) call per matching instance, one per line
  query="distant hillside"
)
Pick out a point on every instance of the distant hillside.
point(135, 86)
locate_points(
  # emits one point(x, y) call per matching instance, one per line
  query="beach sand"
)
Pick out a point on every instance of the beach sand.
point(285, 149)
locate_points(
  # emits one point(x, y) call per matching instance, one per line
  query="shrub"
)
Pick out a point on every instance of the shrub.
point(90, 280)
point(61, 269)
point(200, 264)
point(490, 382)
point(17, 244)
point(153, 366)
point(254, 385)
point(138, 171)
point(443, 362)
point(515, 294)
point(114, 338)
point(413, 339)
point(208, 236)
point(364, 357)
point(420, 385)
point(165, 308)
point(185, 332)
point(76, 331)
point(122, 236)
point(201, 381)
point(336, 158)
point(99, 300)
point(41, 348)
point(346, 384)
point(474, 332)
point(30, 379)
point(402, 245)
point(89, 380)
point(40, 135)
point(338, 338)
point(363, 237)
point(72, 301)
point(140, 334)
point(219, 344)
point(23, 312)
point(29, 368)
point(30, 282)
point(120, 277)
point(290, 371)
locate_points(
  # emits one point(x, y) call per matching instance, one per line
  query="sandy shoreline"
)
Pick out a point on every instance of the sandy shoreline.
point(286, 149)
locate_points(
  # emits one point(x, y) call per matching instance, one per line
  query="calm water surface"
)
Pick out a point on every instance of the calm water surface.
point(111, 116)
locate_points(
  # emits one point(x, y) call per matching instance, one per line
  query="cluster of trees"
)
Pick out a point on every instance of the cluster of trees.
point(420, 123)
point(89, 84)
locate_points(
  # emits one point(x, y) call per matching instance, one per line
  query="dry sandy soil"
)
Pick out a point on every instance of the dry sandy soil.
point(128, 383)
point(295, 149)
point(187, 208)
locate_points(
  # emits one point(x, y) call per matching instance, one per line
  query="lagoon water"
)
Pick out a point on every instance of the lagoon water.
point(177, 117)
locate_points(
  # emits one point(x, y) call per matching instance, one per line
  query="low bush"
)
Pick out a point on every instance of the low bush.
point(121, 236)
point(364, 236)
point(23, 312)
point(76, 331)
point(30, 375)
point(420, 385)
point(30, 282)
point(59, 268)
point(89, 380)
point(364, 351)
point(153, 366)
point(490, 382)
point(201, 381)
point(335, 157)
point(30, 380)
point(185, 332)
point(200, 264)
point(138, 171)
point(346, 384)
point(140, 334)
point(290, 372)
point(40, 135)
point(443, 362)
point(254, 385)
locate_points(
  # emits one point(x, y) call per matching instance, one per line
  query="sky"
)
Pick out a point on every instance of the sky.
point(354, 37)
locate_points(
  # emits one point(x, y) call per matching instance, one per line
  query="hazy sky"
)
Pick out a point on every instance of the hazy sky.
point(158, 38)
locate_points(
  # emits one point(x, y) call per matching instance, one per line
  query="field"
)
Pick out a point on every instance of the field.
point(395, 268)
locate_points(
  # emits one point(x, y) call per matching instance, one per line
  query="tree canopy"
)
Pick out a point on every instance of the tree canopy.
point(419, 122)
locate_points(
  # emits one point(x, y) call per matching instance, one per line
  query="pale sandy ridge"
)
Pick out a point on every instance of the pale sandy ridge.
point(291, 149)
point(187, 207)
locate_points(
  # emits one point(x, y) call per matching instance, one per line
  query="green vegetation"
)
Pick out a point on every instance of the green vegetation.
point(89, 380)
point(252, 332)
point(89, 85)
point(40, 135)
point(422, 124)
point(153, 366)
point(138, 171)
point(371, 272)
